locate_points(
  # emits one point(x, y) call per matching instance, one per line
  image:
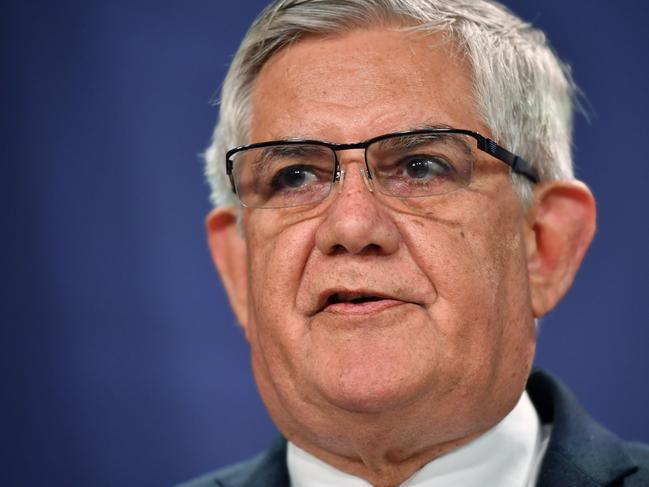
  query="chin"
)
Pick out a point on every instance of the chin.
point(373, 369)
point(373, 388)
point(370, 402)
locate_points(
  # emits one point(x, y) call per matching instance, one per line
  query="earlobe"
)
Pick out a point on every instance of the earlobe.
point(228, 249)
point(562, 225)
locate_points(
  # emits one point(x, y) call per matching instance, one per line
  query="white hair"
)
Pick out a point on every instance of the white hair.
point(525, 94)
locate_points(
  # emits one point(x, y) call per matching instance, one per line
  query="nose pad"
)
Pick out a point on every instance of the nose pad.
point(367, 179)
point(340, 178)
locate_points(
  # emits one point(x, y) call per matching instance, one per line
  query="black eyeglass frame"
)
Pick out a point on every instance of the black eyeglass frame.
point(485, 144)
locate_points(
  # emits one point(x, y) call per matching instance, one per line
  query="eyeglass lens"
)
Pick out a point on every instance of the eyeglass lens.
point(405, 166)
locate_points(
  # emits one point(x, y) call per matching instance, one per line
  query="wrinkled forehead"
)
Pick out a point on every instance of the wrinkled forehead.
point(380, 79)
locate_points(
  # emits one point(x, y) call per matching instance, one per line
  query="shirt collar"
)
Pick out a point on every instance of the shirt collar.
point(507, 455)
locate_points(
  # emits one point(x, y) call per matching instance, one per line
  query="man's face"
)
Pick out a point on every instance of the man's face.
point(435, 326)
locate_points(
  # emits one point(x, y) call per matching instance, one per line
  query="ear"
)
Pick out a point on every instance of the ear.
point(229, 253)
point(561, 226)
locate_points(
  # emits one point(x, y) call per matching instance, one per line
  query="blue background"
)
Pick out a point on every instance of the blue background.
point(121, 363)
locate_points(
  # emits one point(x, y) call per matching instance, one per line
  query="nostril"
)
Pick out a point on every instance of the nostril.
point(338, 249)
point(372, 249)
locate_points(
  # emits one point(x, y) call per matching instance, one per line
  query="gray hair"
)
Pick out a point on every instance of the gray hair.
point(525, 94)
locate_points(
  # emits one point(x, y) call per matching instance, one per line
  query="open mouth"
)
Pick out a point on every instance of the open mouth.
point(357, 302)
point(348, 298)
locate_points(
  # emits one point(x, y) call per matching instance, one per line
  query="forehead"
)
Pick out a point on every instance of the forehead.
point(352, 86)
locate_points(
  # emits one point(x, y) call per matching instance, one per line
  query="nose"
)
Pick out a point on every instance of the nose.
point(357, 222)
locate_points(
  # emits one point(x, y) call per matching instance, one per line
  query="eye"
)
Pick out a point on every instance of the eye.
point(425, 167)
point(293, 177)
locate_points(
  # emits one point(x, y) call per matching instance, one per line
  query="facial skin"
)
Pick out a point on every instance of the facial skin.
point(381, 388)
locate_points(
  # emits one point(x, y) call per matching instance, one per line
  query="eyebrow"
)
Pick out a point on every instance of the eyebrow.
point(303, 145)
point(431, 126)
point(415, 140)
point(289, 150)
point(297, 138)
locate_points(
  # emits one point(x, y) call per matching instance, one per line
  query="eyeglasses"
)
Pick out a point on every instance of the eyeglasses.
point(413, 164)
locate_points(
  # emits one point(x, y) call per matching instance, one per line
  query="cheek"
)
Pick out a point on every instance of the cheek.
point(276, 255)
point(276, 260)
point(479, 272)
point(477, 267)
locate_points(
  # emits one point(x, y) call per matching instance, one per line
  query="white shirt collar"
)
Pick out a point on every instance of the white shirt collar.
point(508, 455)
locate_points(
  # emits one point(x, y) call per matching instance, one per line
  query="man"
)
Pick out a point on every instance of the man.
point(395, 210)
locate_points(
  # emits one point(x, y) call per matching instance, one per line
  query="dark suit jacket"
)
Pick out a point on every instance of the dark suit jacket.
point(581, 453)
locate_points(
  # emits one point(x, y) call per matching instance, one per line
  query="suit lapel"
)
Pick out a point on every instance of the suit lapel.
point(266, 470)
point(581, 452)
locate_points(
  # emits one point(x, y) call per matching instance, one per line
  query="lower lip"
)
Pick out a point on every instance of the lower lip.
point(369, 307)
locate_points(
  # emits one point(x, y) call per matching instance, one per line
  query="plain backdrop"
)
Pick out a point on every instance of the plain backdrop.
point(121, 362)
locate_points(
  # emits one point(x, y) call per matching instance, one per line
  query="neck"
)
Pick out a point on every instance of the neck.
point(383, 467)
point(506, 455)
point(386, 448)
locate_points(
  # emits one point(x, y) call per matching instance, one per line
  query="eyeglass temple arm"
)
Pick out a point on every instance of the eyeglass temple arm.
point(518, 164)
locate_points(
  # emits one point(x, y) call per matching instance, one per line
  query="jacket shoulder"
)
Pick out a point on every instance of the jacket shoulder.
point(268, 469)
point(639, 452)
point(582, 452)
point(232, 472)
